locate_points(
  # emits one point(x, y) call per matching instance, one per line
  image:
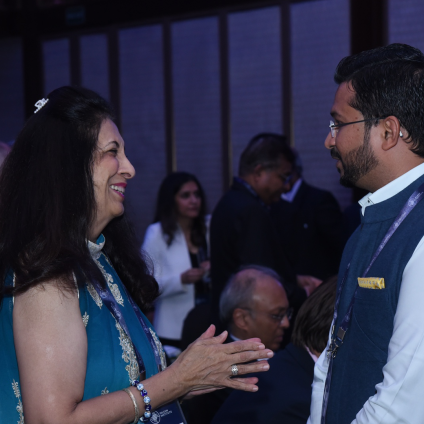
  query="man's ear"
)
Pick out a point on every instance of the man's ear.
point(239, 318)
point(392, 133)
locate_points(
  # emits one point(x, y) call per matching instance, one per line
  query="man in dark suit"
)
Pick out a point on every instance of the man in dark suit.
point(253, 304)
point(242, 230)
point(284, 394)
point(309, 222)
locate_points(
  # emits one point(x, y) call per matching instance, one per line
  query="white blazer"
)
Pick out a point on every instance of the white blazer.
point(169, 262)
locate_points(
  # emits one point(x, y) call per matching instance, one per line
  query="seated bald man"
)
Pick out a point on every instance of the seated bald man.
point(284, 395)
point(254, 304)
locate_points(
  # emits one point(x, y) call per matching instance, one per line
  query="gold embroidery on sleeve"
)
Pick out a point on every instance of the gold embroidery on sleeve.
point(113, 287)
point(116, 293)
point(85, 319)
point(19, 408)
point(159, 348)
point(94, 295)
point(128, 354)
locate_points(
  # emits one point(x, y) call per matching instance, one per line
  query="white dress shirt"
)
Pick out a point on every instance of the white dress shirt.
point(290, 195)
point(399, 397)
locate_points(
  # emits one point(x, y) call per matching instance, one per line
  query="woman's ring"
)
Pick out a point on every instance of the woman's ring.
point(234, 370)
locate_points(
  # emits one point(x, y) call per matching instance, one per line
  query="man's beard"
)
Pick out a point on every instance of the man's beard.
point(356, 163)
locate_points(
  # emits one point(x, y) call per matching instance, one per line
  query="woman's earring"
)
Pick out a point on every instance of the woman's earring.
point(400, 134)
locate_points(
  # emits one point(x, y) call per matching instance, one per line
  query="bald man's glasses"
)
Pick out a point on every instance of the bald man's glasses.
point(277, 318)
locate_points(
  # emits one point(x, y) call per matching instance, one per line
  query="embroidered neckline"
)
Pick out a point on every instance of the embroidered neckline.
point(96, 251)
point(96, 248)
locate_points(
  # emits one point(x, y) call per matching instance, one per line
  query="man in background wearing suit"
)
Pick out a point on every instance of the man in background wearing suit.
point(309, 221)
point(242, 230)
point(253, 304)
point(284, 394)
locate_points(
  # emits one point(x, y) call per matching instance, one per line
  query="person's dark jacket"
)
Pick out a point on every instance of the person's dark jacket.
point(284, 394)
point(310, 231)
point(243, 233)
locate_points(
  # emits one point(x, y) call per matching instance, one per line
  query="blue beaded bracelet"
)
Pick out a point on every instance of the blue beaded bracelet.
point(148, 408)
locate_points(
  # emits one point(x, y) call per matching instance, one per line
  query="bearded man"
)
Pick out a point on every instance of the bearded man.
point(371, 371)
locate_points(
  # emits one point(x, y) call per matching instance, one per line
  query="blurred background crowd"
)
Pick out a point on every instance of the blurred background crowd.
point(224, 108)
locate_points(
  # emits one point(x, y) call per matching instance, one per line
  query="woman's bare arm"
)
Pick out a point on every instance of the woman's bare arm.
point(51, 348)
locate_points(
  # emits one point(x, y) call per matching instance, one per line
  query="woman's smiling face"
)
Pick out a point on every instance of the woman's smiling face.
point(111, 171)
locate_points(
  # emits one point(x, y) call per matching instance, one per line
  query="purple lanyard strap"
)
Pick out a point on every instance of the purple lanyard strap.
point(337, 340)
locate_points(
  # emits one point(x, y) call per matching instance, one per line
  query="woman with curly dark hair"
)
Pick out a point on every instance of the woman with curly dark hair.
point(75, 346)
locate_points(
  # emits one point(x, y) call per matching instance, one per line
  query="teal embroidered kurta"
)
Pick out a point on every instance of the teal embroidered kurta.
point(111, 360)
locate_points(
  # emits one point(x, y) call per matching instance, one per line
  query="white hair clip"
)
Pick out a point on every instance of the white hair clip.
point(40, 104)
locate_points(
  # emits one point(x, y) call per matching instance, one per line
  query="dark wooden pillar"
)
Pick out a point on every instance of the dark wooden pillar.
point(227, 161)
point(171, 159)
point(368, 24)
point(32, 56)
point(285, 28)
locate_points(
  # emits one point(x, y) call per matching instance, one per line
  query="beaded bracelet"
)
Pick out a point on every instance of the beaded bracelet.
point(136, 410)
point(148, 408)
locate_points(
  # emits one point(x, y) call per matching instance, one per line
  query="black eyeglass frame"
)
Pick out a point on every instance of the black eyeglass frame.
point(276, 318)
point(334, 127)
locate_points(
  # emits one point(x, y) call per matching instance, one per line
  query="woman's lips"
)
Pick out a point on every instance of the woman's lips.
point(119, 188)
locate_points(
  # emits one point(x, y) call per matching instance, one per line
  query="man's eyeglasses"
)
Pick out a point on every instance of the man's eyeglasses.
point(276, 318)
point(334, 128)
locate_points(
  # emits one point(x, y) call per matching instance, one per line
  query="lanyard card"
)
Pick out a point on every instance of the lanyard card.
point(170, 413)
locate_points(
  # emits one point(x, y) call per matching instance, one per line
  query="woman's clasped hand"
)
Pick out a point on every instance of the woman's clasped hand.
point(206, 364)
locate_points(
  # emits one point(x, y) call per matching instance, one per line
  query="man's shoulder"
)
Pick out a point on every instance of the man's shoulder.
point(316, 191)
point(237, 200)
point(289, 359)
point(318, 197)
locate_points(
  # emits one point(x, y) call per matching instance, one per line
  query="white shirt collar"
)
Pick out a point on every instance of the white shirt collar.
point(313, 356)
point(290, 195)
point(236, 339)
point(392, 188)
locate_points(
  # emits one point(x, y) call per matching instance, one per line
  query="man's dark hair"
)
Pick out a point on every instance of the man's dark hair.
point(47, 202)
point(265, 149)
point(314, 318)
point(388, 81)
point(166, 211)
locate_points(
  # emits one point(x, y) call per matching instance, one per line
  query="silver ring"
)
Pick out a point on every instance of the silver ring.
point(234, 370)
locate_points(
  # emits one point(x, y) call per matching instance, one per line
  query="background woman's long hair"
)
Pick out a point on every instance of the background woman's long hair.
point(166, 209)
point(47, 202)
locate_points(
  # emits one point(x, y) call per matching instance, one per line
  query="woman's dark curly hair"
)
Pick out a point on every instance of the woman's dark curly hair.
point(166, 211)
point(47, 202)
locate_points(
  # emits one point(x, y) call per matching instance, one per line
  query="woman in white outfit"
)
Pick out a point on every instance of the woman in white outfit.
point(178, 245)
